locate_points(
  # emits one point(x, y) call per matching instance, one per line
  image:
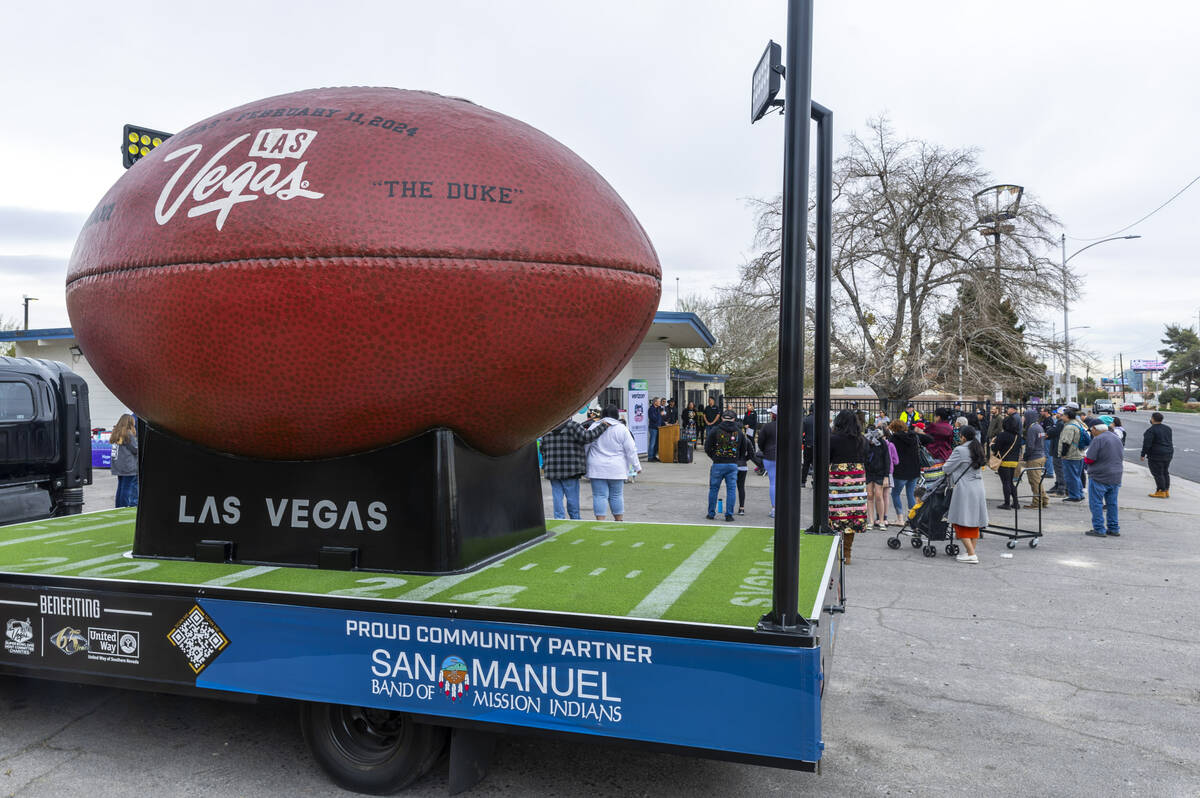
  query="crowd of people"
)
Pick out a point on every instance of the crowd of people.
point(877, 464)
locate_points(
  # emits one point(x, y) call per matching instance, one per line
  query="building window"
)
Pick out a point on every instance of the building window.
point(612, 396)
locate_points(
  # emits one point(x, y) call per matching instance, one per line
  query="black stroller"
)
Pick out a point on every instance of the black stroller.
point(929, 523)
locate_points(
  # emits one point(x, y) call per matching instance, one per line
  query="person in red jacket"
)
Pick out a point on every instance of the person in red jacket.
point(942, 434)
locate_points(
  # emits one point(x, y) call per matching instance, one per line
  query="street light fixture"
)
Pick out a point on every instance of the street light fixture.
point(1066, 324)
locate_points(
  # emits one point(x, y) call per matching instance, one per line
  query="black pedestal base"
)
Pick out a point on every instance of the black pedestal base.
point(430, 504)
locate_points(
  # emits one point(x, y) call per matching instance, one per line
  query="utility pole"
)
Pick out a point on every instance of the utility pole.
point(1122, 357)
point(27, 299)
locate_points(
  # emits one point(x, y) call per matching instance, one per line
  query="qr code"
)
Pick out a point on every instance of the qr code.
point(199, 638)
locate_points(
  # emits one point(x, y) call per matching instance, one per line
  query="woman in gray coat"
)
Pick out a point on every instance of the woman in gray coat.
point(968, 504)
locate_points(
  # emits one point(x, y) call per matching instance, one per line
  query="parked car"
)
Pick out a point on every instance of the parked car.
point(1103, 406)
point(1129, 407)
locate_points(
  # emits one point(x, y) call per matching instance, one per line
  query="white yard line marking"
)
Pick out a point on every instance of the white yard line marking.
point(576, 542)
point(19, 603)
point(249, 573)
point(561, 568)
point(558, 529)
point(632, 574)
point(527, 566)
point(442, 583)
point(98, 545)
point(607, 543)
point(130, 612)
point(635, 545)
point(597, 572)
point(75, 566)
point(49, 535)
point(670, 589)
point(668, 545)
point(72, 543)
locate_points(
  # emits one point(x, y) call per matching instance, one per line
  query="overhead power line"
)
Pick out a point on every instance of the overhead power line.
point(1144, 218)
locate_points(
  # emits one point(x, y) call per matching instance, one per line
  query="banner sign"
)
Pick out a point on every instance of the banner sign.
point(739, 697)
point(1147, 365)
point(637, 414)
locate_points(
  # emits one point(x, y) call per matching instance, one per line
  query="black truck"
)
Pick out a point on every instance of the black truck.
point(45, 440)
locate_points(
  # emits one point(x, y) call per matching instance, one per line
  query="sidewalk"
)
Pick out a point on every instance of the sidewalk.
point(1070, 669)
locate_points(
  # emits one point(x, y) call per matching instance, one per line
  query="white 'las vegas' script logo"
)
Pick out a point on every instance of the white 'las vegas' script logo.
point(216, 187)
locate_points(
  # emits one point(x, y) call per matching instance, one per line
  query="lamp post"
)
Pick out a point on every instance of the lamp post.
point(1066, 323)
point(27, 299)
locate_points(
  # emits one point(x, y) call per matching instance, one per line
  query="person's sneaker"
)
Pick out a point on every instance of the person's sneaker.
point(1114, 534)
point(973, 559)
point(741, 511)
point(728, 516)
point(1069, 500)
point(711, 516)
point(772, 513)
point(1094, 534)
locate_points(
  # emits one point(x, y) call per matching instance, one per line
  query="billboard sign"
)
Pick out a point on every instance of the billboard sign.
point(1147, 365)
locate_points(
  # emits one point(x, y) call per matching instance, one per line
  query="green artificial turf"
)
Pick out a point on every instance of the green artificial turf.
point(712, 574)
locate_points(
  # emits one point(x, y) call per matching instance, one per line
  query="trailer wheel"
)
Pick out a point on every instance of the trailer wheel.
point(374, 751)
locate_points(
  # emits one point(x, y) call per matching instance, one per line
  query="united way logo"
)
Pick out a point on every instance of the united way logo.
point(18, 637)
point(453, 679)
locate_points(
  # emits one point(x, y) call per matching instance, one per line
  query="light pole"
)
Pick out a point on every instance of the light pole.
point(27, 299)
point(994, 206)
point(1066, 324)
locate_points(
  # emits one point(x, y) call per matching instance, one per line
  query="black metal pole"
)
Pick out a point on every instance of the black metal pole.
point(797, 107)
point(821, 324)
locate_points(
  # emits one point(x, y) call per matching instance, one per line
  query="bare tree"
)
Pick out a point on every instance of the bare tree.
point(904, 245)
point(747, 347)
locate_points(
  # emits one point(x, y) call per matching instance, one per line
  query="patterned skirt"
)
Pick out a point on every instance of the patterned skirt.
point(847, 497)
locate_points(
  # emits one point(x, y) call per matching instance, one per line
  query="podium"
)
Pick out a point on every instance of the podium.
point(668, 438)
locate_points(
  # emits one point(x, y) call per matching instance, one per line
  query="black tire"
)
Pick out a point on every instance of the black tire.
point(893, 543)
point(1012, 544)
point(916, 542)
point(930, 551)
point(373, 751)
point(954, 550)
point(1033, 543)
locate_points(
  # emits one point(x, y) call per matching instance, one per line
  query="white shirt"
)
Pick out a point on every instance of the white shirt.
point(613, 455)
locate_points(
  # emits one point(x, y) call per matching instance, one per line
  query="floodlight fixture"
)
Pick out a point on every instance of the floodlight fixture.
point(137, 143)
point(764, 84)
point(997, 204)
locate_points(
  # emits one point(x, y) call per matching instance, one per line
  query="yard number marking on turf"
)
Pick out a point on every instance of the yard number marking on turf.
point(660, 599)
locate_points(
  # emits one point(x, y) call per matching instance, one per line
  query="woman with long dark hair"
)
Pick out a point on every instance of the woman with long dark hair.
point(847, 479)
point(968, 504)
point(125, 460)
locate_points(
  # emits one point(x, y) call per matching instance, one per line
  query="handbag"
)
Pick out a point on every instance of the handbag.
point(924, 457)
point(995, 460)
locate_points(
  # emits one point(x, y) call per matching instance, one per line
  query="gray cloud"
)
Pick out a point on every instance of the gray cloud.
point(29, 226)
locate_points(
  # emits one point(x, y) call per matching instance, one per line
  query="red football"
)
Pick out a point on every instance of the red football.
point(335, 270)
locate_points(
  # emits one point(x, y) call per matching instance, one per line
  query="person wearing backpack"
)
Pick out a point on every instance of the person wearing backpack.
point(878, 466)
point(725, 444)
point(1072, 442)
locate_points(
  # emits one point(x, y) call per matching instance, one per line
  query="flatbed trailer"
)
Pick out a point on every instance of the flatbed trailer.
point(643, 633)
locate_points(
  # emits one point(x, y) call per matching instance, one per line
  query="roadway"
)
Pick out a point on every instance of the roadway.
point(1185, 432)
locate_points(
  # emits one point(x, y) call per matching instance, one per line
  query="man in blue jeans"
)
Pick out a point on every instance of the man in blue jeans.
point(724, 443)
point(1106, 464)
point(1072, 456)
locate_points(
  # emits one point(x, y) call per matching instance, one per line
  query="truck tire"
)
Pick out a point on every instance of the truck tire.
point(373, 751)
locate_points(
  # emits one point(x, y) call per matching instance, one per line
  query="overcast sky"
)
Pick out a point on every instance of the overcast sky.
point(1090, 105)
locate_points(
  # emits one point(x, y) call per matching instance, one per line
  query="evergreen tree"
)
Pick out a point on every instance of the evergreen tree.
point(1182, 354)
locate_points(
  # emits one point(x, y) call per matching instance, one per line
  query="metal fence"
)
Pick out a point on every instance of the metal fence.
point(873, 407)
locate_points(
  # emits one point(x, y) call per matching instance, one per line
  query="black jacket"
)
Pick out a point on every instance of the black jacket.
point(810, 431)
point(1053, 428)
point(768, 436)
point(906, 444)
point(726, 443)
point(750, 420)
point(1156, 442)
point(847, 448)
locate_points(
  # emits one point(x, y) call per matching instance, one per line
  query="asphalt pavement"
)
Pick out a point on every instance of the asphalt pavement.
point(1066, 670)
point(1185, 434)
